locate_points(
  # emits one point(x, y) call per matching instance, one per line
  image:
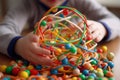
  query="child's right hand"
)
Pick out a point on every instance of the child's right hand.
point(28, 48)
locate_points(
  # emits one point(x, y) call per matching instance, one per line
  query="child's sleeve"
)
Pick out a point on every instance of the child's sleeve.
point(12, 26)
point(94, 11)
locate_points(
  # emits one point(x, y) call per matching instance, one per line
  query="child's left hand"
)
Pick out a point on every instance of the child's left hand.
point(97, 30)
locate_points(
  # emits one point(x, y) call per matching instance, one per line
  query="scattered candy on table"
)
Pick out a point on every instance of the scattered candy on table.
point(72, 49)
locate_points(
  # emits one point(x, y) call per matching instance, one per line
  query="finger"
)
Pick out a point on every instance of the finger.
point(92, 28)
point(33, 37)
point(40, 51)
point(40, 60)
point(98, 39)
point(95, 34)
point(89, 22)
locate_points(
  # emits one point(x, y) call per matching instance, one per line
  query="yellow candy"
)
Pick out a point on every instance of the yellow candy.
point(61, 69)
point(55, 10)
point(110, 56)
point(104, 48)
point(30, 67)
point(105, 78)
point(3, 68)
point(74, 78)
point(100, 74)
point(99, 70)
point(91, 68)
point(58, 50)
point(23, 74)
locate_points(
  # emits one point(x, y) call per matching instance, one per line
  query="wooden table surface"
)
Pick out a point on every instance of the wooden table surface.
point(113, 46)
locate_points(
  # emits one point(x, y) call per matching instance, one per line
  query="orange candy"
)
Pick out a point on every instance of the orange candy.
point(87, 65)
point(109, 74)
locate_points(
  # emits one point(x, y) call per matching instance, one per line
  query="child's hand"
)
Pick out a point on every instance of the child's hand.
point(28, 48)
point(97, 30)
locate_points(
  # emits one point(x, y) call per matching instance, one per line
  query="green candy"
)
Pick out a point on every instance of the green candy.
point(9, 69)
point(105, 72)
point(100, 78)
point(43, 23)
point(73, 49)
point(94, 62)
point(28, 71)
point(90, 78)
point(82, 76)
point(111, 79)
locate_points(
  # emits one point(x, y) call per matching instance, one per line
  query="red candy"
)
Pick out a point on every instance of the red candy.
point(15, 71)
point(33, 72)
point(65, 12)
point(89, 37)
point(49, 19)
point(66, 67)
point(99, 50)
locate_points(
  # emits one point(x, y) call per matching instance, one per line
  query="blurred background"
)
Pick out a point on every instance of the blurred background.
point(112, 5)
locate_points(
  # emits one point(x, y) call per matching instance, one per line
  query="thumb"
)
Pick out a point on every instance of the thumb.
point(34, 38)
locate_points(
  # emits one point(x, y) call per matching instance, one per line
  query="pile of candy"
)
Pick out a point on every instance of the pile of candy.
point(63, 31)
